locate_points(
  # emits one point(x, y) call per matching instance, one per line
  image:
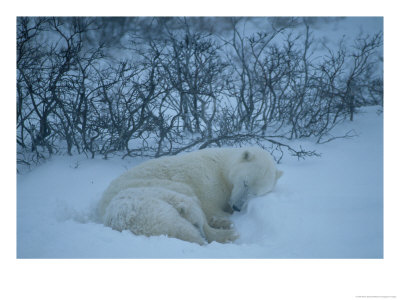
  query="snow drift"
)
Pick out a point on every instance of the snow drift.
point(323, 207)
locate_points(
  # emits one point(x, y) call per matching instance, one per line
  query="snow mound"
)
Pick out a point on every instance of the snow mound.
point(323, 207)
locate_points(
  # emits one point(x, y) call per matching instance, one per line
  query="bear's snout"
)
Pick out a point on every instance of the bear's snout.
point(235, 208)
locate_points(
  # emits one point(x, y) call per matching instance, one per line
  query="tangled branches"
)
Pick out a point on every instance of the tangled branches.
point(183, 89)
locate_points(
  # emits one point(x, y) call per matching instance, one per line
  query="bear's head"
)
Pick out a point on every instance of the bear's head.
point(252, 174)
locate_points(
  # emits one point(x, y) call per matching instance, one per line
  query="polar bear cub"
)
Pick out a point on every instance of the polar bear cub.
point(188, 196)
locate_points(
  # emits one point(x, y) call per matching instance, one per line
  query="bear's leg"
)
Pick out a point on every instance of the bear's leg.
point(194, 214)
point(150, 216)
point(189, 209)
point(220, 235)
point(222, 222)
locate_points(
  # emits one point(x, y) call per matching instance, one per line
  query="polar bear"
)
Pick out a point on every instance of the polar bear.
point(189, 196)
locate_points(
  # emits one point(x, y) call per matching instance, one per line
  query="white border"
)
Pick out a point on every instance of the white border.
point(199, 279)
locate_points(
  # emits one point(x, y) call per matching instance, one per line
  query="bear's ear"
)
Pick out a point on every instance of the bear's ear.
point(279, 174)
point(247, 156)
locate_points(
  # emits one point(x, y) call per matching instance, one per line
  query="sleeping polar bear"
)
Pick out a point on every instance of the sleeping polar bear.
point(188, 196)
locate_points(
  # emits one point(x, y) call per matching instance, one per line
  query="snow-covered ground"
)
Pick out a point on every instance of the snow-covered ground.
point(323, 207)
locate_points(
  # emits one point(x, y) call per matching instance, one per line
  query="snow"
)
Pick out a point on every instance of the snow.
point(322, 207)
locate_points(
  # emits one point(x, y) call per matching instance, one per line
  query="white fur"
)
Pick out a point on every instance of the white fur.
point(189, 196)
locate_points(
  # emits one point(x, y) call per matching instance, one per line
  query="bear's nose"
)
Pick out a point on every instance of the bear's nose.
point(235, 208)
